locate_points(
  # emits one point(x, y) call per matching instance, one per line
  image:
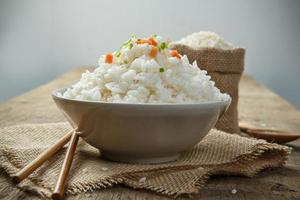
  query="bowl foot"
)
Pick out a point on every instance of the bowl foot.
point(138, 160)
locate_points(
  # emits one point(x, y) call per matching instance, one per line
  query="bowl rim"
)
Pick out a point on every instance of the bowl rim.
point(55, 95)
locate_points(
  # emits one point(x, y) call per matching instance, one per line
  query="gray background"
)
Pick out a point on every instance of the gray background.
point(39, 40)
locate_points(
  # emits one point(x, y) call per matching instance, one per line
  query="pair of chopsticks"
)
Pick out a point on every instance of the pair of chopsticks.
point(58, 192)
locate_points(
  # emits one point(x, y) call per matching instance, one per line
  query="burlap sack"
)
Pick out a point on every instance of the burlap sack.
point(217, 153)
point(225, 68)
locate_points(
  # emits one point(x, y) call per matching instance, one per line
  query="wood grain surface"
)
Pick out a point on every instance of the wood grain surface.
point(257, 105)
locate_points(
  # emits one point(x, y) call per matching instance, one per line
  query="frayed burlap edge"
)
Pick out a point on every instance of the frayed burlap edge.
point(246, 164)
point(10, 167)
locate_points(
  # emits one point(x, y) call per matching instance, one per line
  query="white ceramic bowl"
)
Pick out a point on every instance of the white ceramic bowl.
point(140, 133)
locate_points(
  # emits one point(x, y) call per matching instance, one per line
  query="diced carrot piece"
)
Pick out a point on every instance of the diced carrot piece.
point(109, 58)
point(152, 42)
point(139, 41)
point(149, 41)
point(142, 41)
point(174, 53)
point(153, 52)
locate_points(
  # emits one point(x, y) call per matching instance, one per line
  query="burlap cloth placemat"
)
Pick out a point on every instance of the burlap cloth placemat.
point(217, 153)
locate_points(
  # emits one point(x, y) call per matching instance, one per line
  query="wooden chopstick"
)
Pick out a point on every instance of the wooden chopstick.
point(37, 162)
point(58, 192)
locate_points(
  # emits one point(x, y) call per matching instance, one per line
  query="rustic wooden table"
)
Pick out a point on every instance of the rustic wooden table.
point(257, 105)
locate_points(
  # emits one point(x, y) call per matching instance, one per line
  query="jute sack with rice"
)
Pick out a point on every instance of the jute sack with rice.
point(223, 62)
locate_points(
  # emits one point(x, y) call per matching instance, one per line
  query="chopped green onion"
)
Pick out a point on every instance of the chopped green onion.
point(127, 42)
point(118, 53)
point(133, 37)
point(163, 45)
point(161, 69)
point(125, 62)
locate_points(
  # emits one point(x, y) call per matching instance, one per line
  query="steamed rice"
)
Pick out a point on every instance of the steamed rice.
point(134, 76)
point(205, 39)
